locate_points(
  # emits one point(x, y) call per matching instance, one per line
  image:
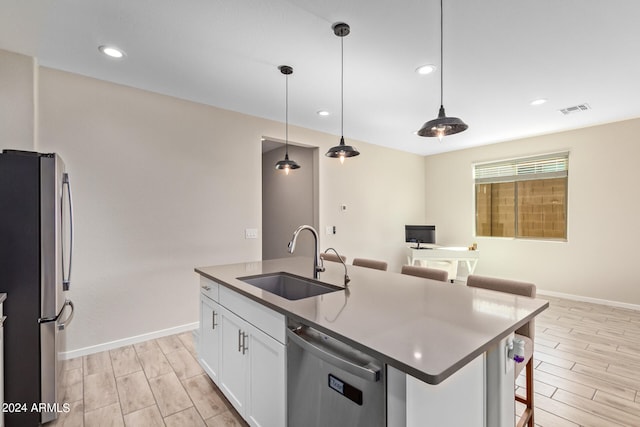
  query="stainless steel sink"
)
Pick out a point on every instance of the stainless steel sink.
point(289, 286)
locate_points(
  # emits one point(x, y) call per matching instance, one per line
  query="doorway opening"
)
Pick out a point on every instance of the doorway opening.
point(288, 201)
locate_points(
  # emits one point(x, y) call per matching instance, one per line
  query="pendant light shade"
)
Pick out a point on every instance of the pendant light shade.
point(442, 125)
point(341, 151)
point(286, 165)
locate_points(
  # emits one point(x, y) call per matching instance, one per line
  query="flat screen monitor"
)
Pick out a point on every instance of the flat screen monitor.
point(420, 234)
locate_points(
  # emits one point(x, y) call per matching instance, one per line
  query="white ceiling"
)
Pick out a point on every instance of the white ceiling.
point(498, 56)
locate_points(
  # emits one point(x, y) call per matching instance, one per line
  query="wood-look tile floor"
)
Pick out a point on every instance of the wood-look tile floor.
point(587, 359)
point(587, 365)
point(153, 383)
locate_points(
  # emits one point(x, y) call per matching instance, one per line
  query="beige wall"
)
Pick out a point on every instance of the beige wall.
point(381, 189)
point(17, 112)
point(162, 185)
point(603, 204)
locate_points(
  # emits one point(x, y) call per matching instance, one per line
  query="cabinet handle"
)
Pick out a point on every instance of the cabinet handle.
point(245, 348)
point(213, 319)
point(239, 340)
point(206, 288)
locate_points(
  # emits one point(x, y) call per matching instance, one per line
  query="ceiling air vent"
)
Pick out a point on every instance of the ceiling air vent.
point(575, 109)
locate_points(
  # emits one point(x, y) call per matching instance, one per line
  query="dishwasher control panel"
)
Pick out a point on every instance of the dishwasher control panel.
point(345, 389)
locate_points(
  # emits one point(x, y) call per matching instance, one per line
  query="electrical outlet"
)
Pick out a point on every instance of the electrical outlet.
point(251, 233)
point(328, 229)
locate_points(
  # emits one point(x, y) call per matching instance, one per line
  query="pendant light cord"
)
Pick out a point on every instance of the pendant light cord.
point(286, 116)
point(441, 56)
point(342, 86)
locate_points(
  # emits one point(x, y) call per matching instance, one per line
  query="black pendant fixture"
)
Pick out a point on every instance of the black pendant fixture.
point(443, 125)
point(342, 150)
point(286, 165)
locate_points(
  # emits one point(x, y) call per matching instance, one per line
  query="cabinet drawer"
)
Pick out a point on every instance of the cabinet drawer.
point(210, 288)
point(263, 318)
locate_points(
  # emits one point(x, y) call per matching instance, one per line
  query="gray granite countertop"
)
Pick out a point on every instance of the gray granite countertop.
point(426, 328)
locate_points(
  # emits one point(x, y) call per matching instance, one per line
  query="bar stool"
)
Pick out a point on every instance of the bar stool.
point(525, 333)
point(425, 272)
point(332, 257)
point(370, 263)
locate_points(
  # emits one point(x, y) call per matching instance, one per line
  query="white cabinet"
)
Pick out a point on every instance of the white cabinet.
point(245, 355)
point(266, 370)
point(209, 341)
point(233, 377)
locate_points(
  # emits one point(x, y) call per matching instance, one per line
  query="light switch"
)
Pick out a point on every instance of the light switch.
point(329, 229)
point(251, 233)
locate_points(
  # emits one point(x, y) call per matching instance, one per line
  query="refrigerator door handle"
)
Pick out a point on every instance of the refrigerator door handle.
point(64, 324)
point(57, 317)
point(66, 278)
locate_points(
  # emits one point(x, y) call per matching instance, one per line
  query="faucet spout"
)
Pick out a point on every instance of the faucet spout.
point(317, 266)
point(346, 276)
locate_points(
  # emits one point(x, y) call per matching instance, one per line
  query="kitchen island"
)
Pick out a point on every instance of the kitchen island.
point(430, 335)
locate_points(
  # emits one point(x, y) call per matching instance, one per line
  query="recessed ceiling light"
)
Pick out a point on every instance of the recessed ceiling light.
point(323, 113)
point(426, 69)
point(539, 101)
point(111, 51)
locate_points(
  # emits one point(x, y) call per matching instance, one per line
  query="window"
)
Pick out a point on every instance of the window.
point(523, 198)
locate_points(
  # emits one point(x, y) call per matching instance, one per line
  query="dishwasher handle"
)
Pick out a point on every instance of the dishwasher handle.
point(369, 372)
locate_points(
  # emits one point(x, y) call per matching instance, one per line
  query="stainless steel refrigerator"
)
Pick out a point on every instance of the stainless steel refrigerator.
point(36, 239)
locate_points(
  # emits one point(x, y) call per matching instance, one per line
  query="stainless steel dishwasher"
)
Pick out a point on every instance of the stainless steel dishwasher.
point(330, 383)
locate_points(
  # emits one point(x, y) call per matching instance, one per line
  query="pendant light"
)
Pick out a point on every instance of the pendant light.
point(341, 150)
point(286, 165)
point(443, 125)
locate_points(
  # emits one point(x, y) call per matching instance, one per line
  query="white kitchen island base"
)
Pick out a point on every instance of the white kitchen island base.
point(481, 394)
point(444, 347)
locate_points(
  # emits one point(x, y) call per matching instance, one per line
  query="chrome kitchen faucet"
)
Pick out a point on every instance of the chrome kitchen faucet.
point(317, 266)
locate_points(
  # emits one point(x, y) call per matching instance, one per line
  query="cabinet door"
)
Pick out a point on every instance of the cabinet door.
point(209, 346)
point(233, 373)
point(266, 402)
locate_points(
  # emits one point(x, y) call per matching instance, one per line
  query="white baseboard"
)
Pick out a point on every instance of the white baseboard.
point(128, 341)
point(589, 299)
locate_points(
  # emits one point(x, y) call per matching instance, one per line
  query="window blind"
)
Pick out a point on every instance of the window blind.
point(539, 167)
